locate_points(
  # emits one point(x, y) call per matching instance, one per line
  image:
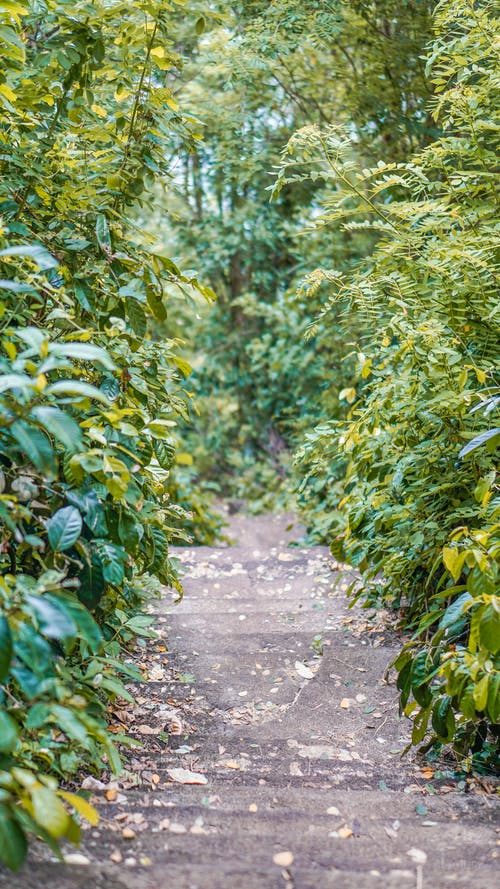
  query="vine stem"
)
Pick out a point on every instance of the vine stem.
point(135, 109)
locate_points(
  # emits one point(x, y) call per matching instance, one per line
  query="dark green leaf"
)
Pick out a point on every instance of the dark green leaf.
point(13, 845)
point(5, 647)
point(64, 528)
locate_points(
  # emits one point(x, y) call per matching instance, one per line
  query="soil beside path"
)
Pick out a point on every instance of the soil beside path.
point(272, 694)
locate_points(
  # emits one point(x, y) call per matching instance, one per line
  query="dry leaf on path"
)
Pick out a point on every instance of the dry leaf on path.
point(128, 833)
point(283, 859)
point(156, 674)
point(303, 671)
point(90, 783)
point(184, 776)
point(345, 703)
point(76, 858)
point(417, 855)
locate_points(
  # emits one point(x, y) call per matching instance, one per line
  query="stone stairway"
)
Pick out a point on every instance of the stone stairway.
point(272, 694)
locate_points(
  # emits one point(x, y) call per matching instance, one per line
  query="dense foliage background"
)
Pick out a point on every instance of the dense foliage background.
point(328, 170)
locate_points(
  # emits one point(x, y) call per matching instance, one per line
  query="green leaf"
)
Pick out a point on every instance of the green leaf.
point(88, 629)
point(116, 688)
point(443, 720)
point(489, 629)
point(155, 303)
point(69, 723)
point(160, 549)
point(55, 621)
point(60, 425)
point(455, 611)
point(49, 811)
point(453, 559)
point(480, 693)
point(76, 387)
point(35, 445)
point(15, 381)
point(113, 756)
point(419, 678)
point(64, 528)
point(8, 733)
point(493, 702)
point(112, 558)
point(5, 647)
point(84, 808)
point(36, 252)
point(137, 318)
point(13, 844)
point(102, 232)
point(92, 583)
point(491, 435)
point(84, 352)
point(165, 453)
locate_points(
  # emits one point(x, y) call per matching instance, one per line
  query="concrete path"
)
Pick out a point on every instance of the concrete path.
point(272, 694)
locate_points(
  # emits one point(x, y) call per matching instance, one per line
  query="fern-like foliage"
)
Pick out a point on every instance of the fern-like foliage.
point(421, 496)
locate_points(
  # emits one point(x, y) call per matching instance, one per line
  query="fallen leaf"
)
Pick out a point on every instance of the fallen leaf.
point(174, 726)
point(76, 858)
point(253, 807)
point(116, 856)
point(344, 833)
point(91, 783)
point(164, 824)
point(232, 764)
point(345, 703)
point(303, 671)
point(155, 779)
point(283, 859)
point(157, 674)
point(147, 729)
point(128, 833)
point(184, 776)
point(332, 811)
point(417, 855)
point(111, 795)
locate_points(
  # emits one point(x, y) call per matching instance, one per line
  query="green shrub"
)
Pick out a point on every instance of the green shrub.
point(90, 398)
point(421, 497)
